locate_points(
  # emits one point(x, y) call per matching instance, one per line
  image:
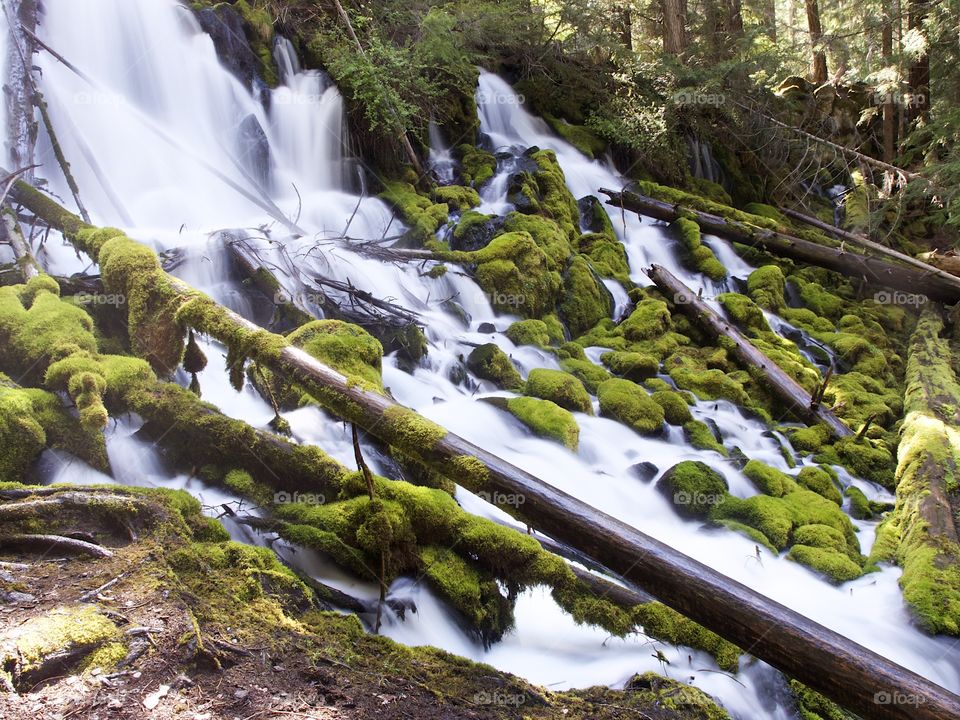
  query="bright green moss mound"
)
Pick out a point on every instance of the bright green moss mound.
point(766, 286)
point(631, 365)
point(491, 363)
point(650, 319)
point(456, 197)
point(832, 564)
point(693, 487)
point(422, 216)
point(546, 419)
point(547, 234)
point(700, 436)
point(582, 138)
point(697, 255)
point(860, 507)
point(562, 388)
point(821, 482)
point(630, 404)
point(530, 332)
point(21, 434)
point(347, 348)
point(586, 372)
point(477, 166)
point(744, 312)
point(65, 630)
point(769, 480)
point(660, 621)
point(676, 410)
point(607, 255)
point(586, 301)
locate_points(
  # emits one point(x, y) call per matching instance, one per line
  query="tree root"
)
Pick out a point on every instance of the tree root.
point(44, 544)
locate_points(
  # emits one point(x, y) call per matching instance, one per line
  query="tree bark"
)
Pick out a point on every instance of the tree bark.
point(877, 272)
point(674, 26)
point(889, 117)
point(918, 74)
point(818, 65)
point(826, 661)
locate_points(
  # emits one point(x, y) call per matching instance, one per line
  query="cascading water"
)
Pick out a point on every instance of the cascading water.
point(157, 111)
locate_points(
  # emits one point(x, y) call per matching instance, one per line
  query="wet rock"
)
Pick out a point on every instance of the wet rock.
point(644, 471)
point(487, 327)
point(225, 27)
point(475, 231)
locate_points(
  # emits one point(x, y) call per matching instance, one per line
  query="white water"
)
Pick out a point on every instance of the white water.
point(161, 111)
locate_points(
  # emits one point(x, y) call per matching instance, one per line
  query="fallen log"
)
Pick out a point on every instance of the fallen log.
point(11, 233)
point(875, 246)
point(795, 398)
point(871, 269)
point(826, 661)
point(921, 533)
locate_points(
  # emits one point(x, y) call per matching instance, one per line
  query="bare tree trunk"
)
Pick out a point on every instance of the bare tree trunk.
point(818, 67)
point(889, 121)
point(674, 26)
point(918, 75)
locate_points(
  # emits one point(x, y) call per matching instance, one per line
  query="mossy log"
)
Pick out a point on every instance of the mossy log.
point(828, 662)
point(11, 233)
point(921, 533)
point(871, 245)
point(876, 271)
point(795, 398)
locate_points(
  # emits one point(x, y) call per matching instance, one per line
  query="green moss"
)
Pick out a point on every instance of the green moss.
point(697, 255)
point(586, 301)
point(859, 505)
point(422, 216)
point(809, 439)
point(769, 480)
point(65, 630)
point(693, 487)
point(456, 197)
point(476, 597)
point(821, 482)
point(631, 365)
point(529, 332)
point(607, 255)
point(630, 404)
point(242, 483)
point(766, 286)
point(546, 233)
point(660, 621)
point(347, 348)
point(579, 136)
point(832, 564)
point(491, 363)
point(744, 312)
point(676, 410)
point(586, 372)
point(650, 319)
point(813, 706)
point(820, 536)
point(477, 166)
point(700, 436)
point(556, 202)
point(709, 384)
point(546, 419)
point(21, 434)
point(560, 387)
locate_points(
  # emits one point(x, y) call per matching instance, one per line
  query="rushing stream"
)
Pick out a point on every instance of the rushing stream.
point(165, 142)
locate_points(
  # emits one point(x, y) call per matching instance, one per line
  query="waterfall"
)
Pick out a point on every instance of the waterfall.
point(154, 110)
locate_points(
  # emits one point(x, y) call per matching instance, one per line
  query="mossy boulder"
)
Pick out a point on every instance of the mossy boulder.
point(585, 301)
point(456, 197)
point(650, 319)
point(630, 404)
point(540, 333)
point(744, 312)
point(561, 388)
point(697, 255)
point(489, 362)
point(676, 410)
point(821, 482)
point(700, 436)
point(766, 286)
point(631, 365)
point(423, 216)
point(546, 419)
point(345, 347)
point(693, 487)
point(477, 166)
point(769, 480)
point(586, 372)
point(474, 231)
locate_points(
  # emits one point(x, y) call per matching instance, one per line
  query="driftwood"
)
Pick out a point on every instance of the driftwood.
point(11, 233)
point(826, 661)
point(796, 399)
point(873, 270)
point(875, 246)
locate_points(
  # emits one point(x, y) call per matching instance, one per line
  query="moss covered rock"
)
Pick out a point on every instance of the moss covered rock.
point(631, 365)
point(561, 388)
point(491, 363)
point(820, 481)
point(546, 419)
point(423, 216)
point(697, 255)
point(456, 197)
point(630, 404)
point(676, 410)
point(693, 487)
point(345, 347)
point(585, 301)
point(586, 372)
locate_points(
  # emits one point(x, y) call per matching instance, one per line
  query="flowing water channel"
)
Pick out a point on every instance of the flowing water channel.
point(165, 142)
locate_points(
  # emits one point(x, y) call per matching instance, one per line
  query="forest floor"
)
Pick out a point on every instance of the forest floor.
point(227, 632)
